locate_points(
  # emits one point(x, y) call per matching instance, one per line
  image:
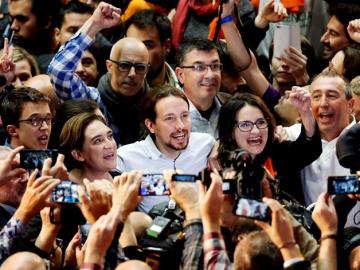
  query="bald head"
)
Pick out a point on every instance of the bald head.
point(128, 65)
point(128, 44)
point(43, 83)
point(24, 261)
point(133, 265)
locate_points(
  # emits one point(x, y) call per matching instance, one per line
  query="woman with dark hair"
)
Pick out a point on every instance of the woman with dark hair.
point(246, 123)
point(89, 148)
point(346, 62)
point(65, 111)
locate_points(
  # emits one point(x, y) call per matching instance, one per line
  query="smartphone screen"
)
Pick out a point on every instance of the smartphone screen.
point(348, 184)
point(153, 185)
point(34, 159)
point(184, 177)
point(252, 209)
point(84, 232)
point(65, 192)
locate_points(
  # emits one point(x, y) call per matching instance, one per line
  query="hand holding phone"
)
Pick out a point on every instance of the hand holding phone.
point(184, 178)
point(65, 192)
point(253, 209)
point(153, 185)
point(34, 159)
point(348, 184)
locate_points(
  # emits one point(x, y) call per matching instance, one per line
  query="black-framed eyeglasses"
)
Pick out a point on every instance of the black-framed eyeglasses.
point(204, 67)
point(247, 126)
point(125, 66)
point(38, 121)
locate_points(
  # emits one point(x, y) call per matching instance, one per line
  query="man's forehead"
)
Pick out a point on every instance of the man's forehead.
point(162, 104)
point(195, 55)
point(328, 84)
point(335, 25)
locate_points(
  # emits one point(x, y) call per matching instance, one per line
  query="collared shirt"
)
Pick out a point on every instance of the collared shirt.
point(145, 156)
point(201, 124)
point(314, 176)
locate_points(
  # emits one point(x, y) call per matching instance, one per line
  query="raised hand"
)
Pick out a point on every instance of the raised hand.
point(185, 195)
point(126, 194)
point(211, 203)
point(324, 215)
point(7, 65)
point(98, 203)
point(354, 30)
point(272, 12)
point(300, 98)
point(36, 196)
point(59, 170)
point(9, 167)
point(296, 62)
point(106, 16)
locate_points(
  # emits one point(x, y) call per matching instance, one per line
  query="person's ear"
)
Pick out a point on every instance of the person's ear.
point(180, 74)
point(167, 46)
point(57, 35)
point(351, 105)
point(11, 130)
point(109, 65)
point(150, 125)
point(77, 155)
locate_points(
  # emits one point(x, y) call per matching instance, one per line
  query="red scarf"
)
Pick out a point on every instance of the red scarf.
point(182, 12)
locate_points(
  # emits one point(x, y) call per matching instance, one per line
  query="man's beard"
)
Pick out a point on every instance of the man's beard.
point(152, 74)
point(326, 54)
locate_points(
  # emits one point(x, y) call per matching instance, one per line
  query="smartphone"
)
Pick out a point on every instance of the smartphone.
point(153, 185)
point(286, 35)
point(34, 159)
point(348, 184)
point(184, 177)
point(65, 192)
point(229, 185)
point(84, 232)
point(253, 209)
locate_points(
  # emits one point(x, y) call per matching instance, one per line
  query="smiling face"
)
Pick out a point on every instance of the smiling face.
point(330, 106)
point(253, 141)
point(99, 148)
point(172, 125)
point(334, 39)
point(200, 87)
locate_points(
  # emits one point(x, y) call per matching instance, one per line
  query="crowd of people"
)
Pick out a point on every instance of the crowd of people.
point(123, 104)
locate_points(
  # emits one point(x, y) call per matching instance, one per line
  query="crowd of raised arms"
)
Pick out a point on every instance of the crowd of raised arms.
point(180, 134)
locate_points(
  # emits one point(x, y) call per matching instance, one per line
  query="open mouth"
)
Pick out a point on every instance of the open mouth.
point(43, 139)
point(326, 115)
point(109, 156)
point(255, 141)
point(179, 137)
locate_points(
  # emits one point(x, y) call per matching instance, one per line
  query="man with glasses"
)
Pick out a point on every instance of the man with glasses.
point(27, 118)
point(198, 68)
point(121, 90)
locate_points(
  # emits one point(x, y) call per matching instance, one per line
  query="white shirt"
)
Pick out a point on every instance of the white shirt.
point(145, 156)
point(314, 176)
